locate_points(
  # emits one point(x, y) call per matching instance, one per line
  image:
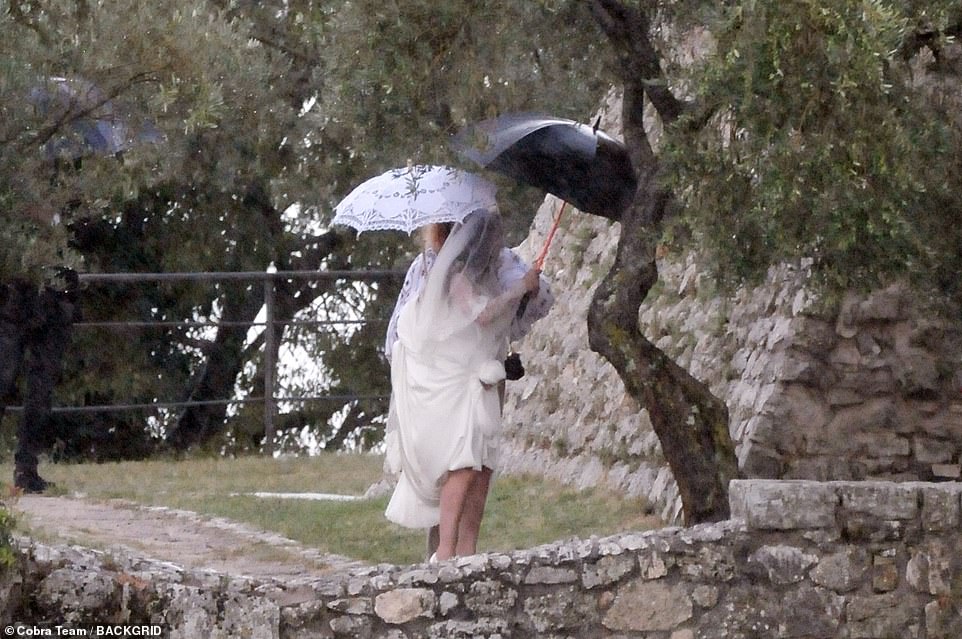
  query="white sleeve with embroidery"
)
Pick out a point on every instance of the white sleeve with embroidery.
point(511, 269)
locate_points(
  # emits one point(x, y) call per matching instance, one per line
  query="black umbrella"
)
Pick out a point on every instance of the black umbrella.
point(574, 161)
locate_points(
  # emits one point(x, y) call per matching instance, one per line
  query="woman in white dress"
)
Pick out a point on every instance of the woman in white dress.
point(445, 423)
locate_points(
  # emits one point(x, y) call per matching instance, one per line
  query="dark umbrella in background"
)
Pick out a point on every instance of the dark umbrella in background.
point(86, 121)
point(575, 162)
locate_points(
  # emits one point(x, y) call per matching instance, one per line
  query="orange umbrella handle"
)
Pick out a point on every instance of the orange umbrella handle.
point(539, 261)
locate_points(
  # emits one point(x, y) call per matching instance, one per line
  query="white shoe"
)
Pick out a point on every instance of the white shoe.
point(433, 559)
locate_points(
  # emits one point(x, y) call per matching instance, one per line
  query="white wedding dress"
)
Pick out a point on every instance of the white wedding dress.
point(446, 365)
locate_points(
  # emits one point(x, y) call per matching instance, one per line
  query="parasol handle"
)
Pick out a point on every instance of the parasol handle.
point(539, 261)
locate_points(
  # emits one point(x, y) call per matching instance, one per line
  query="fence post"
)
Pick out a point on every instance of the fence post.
point(270, 408)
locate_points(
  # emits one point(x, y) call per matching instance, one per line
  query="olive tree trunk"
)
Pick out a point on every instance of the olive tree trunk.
point(690, 422)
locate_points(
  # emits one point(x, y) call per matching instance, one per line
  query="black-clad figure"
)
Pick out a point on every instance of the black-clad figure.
point(35, 329)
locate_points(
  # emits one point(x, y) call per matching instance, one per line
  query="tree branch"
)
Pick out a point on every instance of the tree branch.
point(920, 39)
point(629, 31)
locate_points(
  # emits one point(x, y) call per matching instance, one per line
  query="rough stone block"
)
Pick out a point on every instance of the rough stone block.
point(887, 616)
point(887, 304)
point(760, 460)
point(843, 397)
point(783, 505)
point(930, 570)
point(489, 598)
point(941, 506)
point(307, 621)
point(418, 577)
point(550, 575)
point(649, 606)
point(447, 602)
point(817, 468)
point(935, 569)
point(711, 562)
point(842, 571)
point(877, 418)
point(653, 565)
point(351, 626)
point(606, 570)
point(705, 596)
point(81, 594)
point(868, 383)
point(943, 619)
point(885, 573)
point(561, 609)
point(809, 612)
point(916, 371)
point(781, 564)
point(351, 605)
point(928, 450)
point(486, 627)
point(946, 425)
point(947, 471)
point(404, 604)
point(881, 500)
point(845, 354)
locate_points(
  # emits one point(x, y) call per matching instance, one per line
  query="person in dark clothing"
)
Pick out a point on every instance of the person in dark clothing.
point(35, 329)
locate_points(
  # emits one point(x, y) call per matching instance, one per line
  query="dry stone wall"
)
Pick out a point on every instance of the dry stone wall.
point(867, 388)
point(800, 559)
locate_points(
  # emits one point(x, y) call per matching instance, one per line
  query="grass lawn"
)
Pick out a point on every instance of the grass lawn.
point(521, 512)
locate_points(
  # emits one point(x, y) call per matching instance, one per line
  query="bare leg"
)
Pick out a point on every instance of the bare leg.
point(454, 491)
point(470, 524)
point(432, 542)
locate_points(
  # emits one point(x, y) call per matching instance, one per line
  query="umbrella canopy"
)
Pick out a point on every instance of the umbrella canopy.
point(95, 126)
point(408, 198)
point(574, 161)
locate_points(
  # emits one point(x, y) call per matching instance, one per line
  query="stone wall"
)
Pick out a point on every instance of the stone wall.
point(868, 388)
point(872, 391)
point(853, 560)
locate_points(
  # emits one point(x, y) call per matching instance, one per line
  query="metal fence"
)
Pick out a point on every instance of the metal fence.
point(268, 280)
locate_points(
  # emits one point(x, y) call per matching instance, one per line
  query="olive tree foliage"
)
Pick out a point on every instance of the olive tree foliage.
point(265, 114)
point(405, 76)
point(206, 192)
point(812, 130)
point(384, 85)
point(394, 82)
point(834, 136)
point(178, 66)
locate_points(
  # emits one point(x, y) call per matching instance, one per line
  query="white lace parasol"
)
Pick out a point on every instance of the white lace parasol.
point(408, 198)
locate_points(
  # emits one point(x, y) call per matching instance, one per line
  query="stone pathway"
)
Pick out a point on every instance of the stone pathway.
point(183, 538)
